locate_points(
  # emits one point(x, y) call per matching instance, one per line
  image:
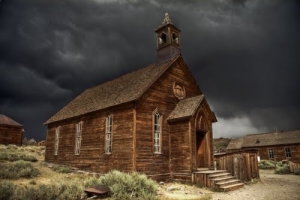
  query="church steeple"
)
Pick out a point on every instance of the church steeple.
point(167, 41)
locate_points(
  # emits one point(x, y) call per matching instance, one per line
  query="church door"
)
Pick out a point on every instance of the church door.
point(201, 158)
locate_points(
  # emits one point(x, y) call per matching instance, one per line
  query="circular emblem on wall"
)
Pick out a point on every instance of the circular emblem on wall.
point(178, 91)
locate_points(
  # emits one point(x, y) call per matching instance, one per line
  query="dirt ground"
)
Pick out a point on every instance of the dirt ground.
point(270, 186)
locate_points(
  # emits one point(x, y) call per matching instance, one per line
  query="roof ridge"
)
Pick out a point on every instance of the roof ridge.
point(272, 132)
point(123, 89)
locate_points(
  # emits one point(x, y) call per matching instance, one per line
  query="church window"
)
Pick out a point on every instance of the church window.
point(108, 135)
point(78, 138)
point(56, 142)
point(157, 132)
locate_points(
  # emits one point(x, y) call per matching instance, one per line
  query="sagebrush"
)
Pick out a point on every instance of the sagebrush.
point(62, 169)
point(266, 164)
point(282, 168)
point(45, 192)
point(297, 171)
point(18, 169)
point(126, 185)
point(6, 190)
point(15, 156)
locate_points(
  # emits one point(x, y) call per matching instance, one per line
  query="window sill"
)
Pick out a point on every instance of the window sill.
point(158, 153)
point(107, 153)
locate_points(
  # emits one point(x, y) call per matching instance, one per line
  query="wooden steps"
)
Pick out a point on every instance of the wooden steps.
point(219, 180)
point(231, 187)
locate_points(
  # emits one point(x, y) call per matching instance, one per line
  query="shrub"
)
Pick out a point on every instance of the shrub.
point(126, 186)
point(62, 169)
point(18, 169)
point(297, 171)
point(32, 182)
point(15, 156)
point(6, 190)
point(49, 192)
point(266, 164)
point(282, 168)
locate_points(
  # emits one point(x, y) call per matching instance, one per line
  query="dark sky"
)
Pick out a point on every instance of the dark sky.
point(244, 55)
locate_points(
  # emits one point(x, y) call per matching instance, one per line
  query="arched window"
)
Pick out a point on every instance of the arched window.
point(78, 138)
point(157, 132)
point(108, 134)
point(56, 142)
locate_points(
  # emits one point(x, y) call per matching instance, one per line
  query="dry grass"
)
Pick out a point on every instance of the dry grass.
point(47, 175)
point(178, 191)
point(48, 180)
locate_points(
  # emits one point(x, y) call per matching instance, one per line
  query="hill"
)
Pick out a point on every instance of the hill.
point(221, 143)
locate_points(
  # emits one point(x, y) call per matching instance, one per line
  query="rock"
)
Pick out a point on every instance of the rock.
point(170, 188)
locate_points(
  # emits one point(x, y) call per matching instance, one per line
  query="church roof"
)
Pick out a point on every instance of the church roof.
point(126, 88)
point(186, 107)
point(4, 120)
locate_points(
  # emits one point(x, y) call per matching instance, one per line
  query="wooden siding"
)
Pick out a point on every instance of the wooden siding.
point(180, 152)
point(279, 152)
point(92, 155)
point(241, 164)
point(132, 143)
point(11, 135)
point(160, 96)
point(200, 123)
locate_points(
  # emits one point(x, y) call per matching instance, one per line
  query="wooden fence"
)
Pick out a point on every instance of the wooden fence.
point(293, 166)
point(241, 164)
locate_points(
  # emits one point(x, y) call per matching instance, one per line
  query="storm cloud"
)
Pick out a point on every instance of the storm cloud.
point(243, 54)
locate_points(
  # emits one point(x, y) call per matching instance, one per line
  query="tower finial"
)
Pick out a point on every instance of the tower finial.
point(167, 20)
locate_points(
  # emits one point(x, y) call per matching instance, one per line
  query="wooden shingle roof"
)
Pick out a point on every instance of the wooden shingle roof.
point(186, 107)
point(4, 120)
point(126, 88)
point(268, 139)
point(235, 144)
point(265, 139)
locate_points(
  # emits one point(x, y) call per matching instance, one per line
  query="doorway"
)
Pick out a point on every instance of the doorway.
point(201, 157)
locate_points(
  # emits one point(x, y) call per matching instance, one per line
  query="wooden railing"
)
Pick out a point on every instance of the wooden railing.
point(241, 164)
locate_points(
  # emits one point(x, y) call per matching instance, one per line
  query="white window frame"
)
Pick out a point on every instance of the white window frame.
point(271, 153)
point(108, 134)
point(288, 153)
point(157, 125)
point(56, 141)
point(78, 138)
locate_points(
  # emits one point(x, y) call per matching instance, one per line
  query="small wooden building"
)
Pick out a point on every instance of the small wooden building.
point(153, 120)
point(11, 132)
point(271, 146)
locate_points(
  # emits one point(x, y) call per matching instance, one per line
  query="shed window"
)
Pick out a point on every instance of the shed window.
point(271, 153)
point(108, 134)
point(78, 138)
point(56, 142)
point(157, 132)
point(288, 152)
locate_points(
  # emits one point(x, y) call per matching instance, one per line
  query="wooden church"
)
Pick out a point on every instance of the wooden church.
point(154, 120)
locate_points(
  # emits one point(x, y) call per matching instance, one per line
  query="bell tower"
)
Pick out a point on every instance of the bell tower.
point(167, 41)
